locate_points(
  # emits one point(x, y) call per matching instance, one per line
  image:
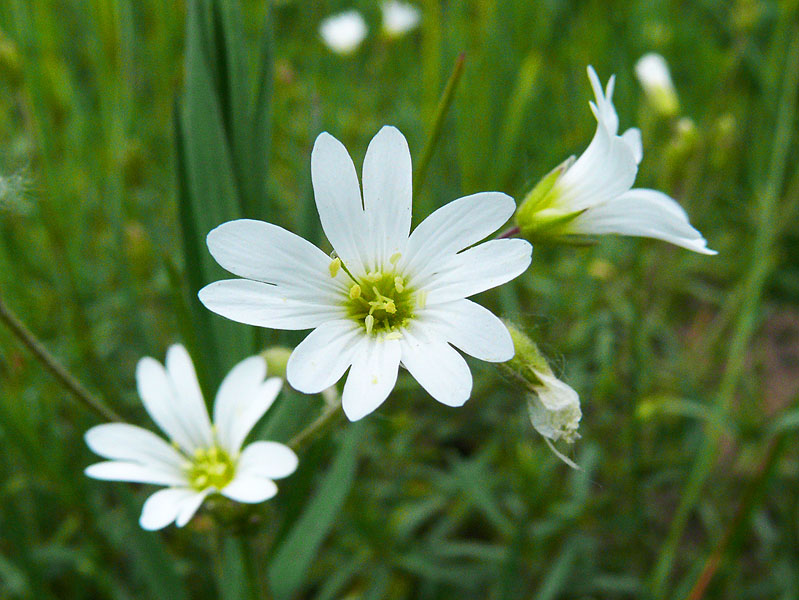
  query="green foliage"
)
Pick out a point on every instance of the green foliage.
point(129, 129)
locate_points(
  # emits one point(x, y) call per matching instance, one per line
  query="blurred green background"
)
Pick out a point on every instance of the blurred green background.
point(687, 366)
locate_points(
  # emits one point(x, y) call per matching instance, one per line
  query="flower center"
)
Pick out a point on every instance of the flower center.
point(210, 467)
point(381, 303)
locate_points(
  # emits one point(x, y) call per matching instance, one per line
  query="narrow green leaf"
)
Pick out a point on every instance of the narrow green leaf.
point(298, 550)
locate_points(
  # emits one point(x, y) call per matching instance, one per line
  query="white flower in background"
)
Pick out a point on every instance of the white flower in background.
point(653, 74)
point(399, 17)
point(201, 459)
point(389, 297)
point(343, 33)
point(593, 194)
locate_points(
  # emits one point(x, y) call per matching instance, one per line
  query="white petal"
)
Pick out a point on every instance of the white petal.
point(437, 367)
point(322, 357)
point(478, 269)
point(236, 389)
point(163, 507)
point(338, 200)
point(646, 213)
point(118, 470)
point(453, 227)
point(473, 329)
point(387, 176)
point(343, 33)
point(267, 459)
point(250, 489)
point(265, 305)
point(121, 441)
point(250, 410)
point(632, 137)
point(371, 378)
point(190, 505)
point(158, 395)
point(605, 170)
point(242, 400)
point(191, 404)
point(604, 110)
point(268, 253)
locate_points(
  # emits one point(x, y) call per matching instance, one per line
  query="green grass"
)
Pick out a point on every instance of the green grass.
point(686, 365)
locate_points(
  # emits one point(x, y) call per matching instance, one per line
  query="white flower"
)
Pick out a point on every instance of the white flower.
point(202, 459)
point(399, 18)
point(343, 33)
point(653, 74)
point(592, 195)
point(389, 296)
point(554, 409)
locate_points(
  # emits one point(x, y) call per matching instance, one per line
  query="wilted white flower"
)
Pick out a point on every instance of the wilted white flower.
point(388, 296)
point(201, 459)
point(653, 74)
point(343, 33)
point(592, 195)
point(399, 17)
point(555, 409)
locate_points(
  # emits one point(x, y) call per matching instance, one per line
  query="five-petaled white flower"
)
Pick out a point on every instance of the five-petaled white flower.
point(592, 195)
point(202, 459)
point(388, 297)
point(344, 32)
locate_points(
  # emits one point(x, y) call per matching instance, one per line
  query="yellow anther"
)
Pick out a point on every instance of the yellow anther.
point(390, 307)
point(334, 266)
point(399, 284)
point(369, 321)
point(393, 335)
point(355, 291)
point(394, 258)
point(421, 299)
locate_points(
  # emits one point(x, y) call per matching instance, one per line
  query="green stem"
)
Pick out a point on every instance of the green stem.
point(329, 415)
point(69, 381)
point(766, 237)
point(254, 590)
point(438, 122)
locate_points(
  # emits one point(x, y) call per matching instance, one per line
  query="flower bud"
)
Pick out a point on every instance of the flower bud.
point(653, 74)
point(277, 357)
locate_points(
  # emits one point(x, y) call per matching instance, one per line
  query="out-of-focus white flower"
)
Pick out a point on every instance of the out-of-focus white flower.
point(388, 296)
point(343, 33)
point(202, 459)
point(653, 74)
point(399, 17)
point(593, 195)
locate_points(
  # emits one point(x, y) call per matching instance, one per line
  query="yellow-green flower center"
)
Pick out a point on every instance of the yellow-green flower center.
point(382, 303)
point(210, 467)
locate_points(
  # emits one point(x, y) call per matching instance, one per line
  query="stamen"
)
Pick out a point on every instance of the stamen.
point(399, 284)
point(394, 258)
point(393, 335)
point(355, 292)
point(369, 321)
point(334, 266)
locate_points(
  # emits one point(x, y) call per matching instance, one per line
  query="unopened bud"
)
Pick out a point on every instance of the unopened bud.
point(277, 357)
point(653, 74)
